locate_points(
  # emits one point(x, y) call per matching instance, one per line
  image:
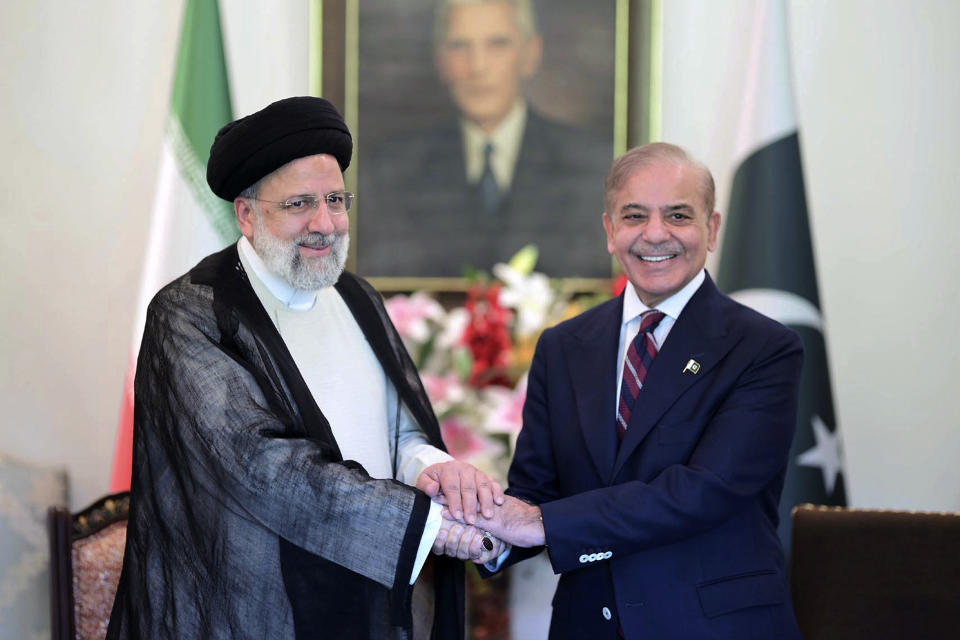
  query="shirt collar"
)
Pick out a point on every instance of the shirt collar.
point(672, 306)
point(292, 297)
point(506, 142)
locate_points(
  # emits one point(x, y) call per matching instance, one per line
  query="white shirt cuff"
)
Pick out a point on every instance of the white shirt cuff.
point(417, 456)
point(430, 531)
point(494, 565)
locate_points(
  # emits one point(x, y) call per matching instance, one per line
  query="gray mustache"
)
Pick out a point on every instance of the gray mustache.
point(638, 249)
point(317, 240)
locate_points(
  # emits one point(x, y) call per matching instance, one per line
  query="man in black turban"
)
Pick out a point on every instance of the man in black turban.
point(285, 451)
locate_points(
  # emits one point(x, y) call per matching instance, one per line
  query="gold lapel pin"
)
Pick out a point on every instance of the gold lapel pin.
point(692, 366)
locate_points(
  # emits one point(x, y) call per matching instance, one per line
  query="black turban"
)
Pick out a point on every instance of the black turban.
point(250, 148)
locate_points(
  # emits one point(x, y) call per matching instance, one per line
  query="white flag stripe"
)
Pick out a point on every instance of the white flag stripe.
point(767, 113)
point(179, 235)
point(784, 307)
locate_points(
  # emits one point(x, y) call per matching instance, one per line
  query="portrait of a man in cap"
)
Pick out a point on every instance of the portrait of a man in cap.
point(509, 148)
point(285, 452)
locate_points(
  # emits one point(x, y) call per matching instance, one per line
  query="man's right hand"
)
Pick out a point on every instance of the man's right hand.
point(463, 488)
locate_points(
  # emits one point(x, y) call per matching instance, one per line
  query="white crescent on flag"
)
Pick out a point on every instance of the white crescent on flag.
point(784, 307)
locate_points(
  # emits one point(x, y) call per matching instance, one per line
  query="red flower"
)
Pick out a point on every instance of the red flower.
point(618, 285)
point(487, 336)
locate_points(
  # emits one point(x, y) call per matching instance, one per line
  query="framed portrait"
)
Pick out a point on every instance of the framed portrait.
point(480, 127)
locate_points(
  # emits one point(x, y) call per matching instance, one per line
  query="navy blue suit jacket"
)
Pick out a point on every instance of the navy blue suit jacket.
point(673, 532)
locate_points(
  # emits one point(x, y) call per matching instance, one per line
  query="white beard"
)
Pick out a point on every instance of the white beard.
point(283, 258)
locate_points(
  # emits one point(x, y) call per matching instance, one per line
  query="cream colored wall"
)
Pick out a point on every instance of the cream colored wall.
point(83, 100)
point(84, 94)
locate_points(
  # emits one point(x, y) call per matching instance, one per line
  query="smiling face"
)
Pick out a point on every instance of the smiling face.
point(659, 229)
point(308, 250)
point(484, 58)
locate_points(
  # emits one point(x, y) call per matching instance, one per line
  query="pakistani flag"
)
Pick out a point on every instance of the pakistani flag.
point(767, 259)
point(188, 221)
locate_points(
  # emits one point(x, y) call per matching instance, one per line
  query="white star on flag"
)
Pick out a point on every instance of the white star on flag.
point(826, 454)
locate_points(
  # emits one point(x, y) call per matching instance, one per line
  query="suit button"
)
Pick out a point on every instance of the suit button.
point(584, 559)
point(592, 557)
point(606, 613)
point(607, 554)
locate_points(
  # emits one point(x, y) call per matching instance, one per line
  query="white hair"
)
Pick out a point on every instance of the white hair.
point(522, 10)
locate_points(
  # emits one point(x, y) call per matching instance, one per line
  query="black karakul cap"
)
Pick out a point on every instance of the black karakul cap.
point(258, 144)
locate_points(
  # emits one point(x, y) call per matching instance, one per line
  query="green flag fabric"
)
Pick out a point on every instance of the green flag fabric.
point(199, 106)
point(767, 260)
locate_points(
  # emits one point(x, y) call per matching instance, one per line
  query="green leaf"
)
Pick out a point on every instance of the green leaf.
point(462, 362)
point(525, 260)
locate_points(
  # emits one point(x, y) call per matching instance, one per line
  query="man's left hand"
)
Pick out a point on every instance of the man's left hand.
point(463, 488)
point(464, 542)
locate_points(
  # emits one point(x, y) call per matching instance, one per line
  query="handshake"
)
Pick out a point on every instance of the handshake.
point(479, 521)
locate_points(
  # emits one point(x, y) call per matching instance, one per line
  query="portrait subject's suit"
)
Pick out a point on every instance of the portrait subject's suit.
point(671, 534)
point(418, 216)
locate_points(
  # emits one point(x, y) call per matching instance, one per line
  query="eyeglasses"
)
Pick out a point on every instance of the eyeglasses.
point(338, 203)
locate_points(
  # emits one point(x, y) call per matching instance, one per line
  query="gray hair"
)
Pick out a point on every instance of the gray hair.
point(651, 154)
point(253, 190)
point(522, 10)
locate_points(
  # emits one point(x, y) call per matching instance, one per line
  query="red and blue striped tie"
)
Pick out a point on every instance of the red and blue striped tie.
point(640, 355)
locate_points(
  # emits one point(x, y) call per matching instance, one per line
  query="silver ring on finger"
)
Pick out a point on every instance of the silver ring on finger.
point(486, 540)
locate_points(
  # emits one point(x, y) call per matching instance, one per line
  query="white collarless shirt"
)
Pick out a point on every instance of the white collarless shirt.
point(355, 395)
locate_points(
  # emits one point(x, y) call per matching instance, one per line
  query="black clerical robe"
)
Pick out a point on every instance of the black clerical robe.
point(245, 520)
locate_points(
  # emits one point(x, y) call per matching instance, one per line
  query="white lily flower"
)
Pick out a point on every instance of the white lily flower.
point(529, 294)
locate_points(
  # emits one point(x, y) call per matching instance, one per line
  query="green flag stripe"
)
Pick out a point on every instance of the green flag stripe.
point(199, 106)
point(767, 241)
point(767, 246)
point(201, 94)
point(193, 170)
point(805, 483)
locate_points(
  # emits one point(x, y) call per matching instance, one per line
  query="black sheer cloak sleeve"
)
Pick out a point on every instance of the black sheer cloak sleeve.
point(215, 429)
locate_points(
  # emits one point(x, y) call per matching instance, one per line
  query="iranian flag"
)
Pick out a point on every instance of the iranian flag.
point(767, 258)
point(188, 221)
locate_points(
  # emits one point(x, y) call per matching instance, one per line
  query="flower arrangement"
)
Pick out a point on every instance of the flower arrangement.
point(473, 359)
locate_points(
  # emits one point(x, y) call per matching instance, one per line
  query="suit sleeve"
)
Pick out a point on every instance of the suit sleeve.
point(740, 454)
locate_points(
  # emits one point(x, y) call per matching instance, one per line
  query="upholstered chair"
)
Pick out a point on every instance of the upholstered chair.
point(875, 574)
point(86, 551)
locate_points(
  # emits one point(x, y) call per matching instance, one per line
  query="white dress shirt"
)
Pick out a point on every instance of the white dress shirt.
point(630, 324)
point(506, 139)
point(357, 398)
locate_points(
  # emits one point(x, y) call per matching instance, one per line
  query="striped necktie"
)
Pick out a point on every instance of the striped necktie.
point(640, 355)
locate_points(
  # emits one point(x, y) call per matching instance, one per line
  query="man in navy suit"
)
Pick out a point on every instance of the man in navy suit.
point(498, 177)
point(667, 529)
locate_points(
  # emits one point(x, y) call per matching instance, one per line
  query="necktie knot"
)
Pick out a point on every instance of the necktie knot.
point(649, 320)
point(487, 152)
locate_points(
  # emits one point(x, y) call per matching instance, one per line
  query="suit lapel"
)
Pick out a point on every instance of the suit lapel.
point(699, 334)
point(443, 160)
point(534, 156)
point(591, 354)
